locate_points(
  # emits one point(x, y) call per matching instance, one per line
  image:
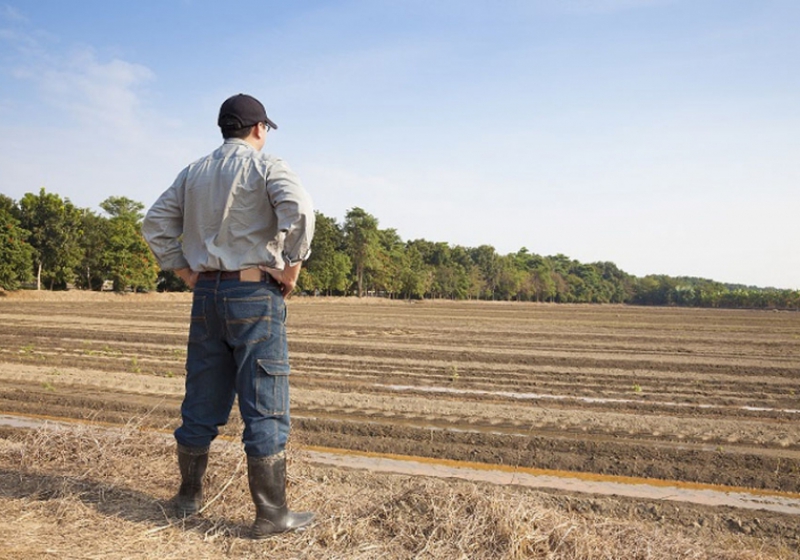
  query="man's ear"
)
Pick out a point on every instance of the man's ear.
point(258, 133)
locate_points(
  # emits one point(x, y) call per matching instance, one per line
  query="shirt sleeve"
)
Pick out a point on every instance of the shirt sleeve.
point(294, 209)
point(163, 226)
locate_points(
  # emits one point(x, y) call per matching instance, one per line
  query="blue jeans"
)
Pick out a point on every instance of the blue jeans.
point(237, 346)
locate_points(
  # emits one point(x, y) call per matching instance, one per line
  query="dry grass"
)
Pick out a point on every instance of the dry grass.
point(90, 493)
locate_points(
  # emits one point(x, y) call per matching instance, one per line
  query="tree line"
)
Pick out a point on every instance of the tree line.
point(47, 240)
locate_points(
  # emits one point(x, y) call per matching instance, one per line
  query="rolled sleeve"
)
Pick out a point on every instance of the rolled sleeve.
point(294, 210)
point(163, 226)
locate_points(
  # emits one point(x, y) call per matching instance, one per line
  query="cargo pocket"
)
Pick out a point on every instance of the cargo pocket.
point(272, 387)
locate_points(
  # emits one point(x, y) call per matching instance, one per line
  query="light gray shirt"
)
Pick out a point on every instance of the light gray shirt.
point(233, 209)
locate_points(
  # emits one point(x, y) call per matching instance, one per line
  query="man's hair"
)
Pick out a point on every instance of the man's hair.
point(240, 133)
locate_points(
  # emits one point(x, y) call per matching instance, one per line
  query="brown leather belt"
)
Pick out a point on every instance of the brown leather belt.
point(246, 275)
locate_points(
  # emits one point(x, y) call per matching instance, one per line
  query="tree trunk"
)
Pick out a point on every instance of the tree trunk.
point(39, 277)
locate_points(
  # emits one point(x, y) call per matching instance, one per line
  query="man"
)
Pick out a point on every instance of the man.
point(236, 226)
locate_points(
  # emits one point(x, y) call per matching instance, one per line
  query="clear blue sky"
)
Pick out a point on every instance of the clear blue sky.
point(662, 135)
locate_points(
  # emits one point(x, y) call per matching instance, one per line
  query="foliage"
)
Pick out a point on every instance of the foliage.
point(363, 246)
point(47, 236)
point(93, 269)
point(16, 254)
point(127, 258)
point(55, 232)
point(327, 270)
point(701, 292)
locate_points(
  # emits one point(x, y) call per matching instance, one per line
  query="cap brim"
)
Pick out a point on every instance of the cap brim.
point(272, 124)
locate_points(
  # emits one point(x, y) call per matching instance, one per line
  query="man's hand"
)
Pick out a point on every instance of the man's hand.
point(188, 275)
point(286, 278)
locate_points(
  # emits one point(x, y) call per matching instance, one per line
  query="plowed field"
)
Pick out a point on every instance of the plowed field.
point(696, 395)
point(710, 396)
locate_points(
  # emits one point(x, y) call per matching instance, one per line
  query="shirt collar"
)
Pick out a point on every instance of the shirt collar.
point(238, 141)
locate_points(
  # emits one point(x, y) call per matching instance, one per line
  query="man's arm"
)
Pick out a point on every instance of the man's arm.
point(294, 210)
point(295, 213)
point(188, 275)
point(286, 278)
point(163, 227)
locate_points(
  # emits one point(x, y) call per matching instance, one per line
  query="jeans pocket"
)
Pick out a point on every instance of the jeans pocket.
point(272, 387)
point(253, 319)
point(198, 328)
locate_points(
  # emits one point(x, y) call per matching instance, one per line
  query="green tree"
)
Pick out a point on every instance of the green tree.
point(391, 258)
point(128, 259)
point(9, 206)
point(451, 281)
point(486, 260)
point(123, 207)
point(415, 274)
point(508, 278)
point(92, 270)
point(16, 254)
point(544, 284)
point(328, 268)
point(363, 244)
point(55, 231)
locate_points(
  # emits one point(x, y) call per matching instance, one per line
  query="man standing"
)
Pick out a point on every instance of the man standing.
point(236, 226)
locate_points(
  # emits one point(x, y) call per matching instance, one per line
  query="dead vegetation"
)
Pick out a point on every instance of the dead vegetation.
point(87, 492)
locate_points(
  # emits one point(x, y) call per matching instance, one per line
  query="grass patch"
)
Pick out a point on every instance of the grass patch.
point(89, 492)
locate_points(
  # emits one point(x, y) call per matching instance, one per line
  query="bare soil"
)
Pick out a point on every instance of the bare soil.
point(707, 396)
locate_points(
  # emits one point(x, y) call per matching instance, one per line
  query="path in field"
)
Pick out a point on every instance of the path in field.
point(586, 483)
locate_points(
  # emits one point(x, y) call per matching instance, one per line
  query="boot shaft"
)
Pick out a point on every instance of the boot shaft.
point(192, 462)
point(267, 479)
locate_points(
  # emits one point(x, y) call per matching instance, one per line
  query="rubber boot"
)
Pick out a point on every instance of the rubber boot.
point(192, 462)
point(267, 479)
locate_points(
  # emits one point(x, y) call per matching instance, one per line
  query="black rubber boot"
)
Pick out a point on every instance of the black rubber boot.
point(267, 478)
point(192, 462)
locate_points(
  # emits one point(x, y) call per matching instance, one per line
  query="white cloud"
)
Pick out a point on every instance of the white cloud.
point(94, 92)
point(10, 13)
point(82, 124)
point(80, 87)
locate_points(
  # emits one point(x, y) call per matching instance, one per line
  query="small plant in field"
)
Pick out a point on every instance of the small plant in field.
point(135, 365)
point(637, 388)
point(48, 386)
point(452, 372)
point(27, 349)
point(55, 371)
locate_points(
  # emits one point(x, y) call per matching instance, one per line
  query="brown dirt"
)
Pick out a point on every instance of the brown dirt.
point(681, 394)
